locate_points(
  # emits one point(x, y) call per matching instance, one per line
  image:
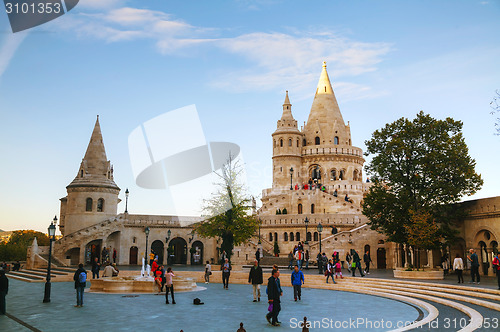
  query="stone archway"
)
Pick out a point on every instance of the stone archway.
point(381, 258)
point(157, 247)
point(179, 253)
point(197, 253)
point(93, 250)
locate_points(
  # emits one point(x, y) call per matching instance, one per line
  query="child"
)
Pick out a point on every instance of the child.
point(338, 269)
point(169, 283)
point(158, 280)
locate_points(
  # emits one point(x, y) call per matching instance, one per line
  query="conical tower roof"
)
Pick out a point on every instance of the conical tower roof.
point(95, 169)
point(287, 123)
point(325, 120)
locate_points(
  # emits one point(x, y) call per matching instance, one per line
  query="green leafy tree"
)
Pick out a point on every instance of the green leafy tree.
point(228, 212)
point(19, 241)
point(421, 166)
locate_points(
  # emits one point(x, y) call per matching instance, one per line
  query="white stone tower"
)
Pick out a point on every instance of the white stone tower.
point(92, 195)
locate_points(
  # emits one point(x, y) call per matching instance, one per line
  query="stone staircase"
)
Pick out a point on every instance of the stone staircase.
point(40, 274)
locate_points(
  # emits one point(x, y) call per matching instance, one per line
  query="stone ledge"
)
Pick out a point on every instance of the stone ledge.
point(424, 275)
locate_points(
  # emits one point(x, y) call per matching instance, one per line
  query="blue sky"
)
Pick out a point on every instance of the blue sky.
point(130, 61)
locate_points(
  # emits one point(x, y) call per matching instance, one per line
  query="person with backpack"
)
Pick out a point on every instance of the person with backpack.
point(80, 279)
point(496, 267)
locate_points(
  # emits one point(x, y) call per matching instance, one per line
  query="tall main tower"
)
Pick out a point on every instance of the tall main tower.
point(92, 195)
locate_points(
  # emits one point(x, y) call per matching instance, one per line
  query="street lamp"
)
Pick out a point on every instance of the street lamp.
point(146, 230)
point(168, 236)
point(320, 229)
point(126, 200)
point(260, 223)
point(291, 178)
point(307, 223)
point(192, 236)
point(52, 234)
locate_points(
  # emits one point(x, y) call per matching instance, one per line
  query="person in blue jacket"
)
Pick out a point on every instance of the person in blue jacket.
point(297, 281)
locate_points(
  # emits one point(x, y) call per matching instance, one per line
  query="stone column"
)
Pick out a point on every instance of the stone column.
point(405, 249)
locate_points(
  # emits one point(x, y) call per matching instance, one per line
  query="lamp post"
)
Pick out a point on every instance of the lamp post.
point(192, 236)
point(291, 178)
point(52, 234)
point(306, 221)
point(320, 229)
point(168, 236)
point(260, 222)
point(126, 200)
point(146, 230)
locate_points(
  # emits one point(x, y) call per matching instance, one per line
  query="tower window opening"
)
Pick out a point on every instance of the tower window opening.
point(336, 140)
point(281, 142)
point(291, 237)
point(88, 206)
point(317, 140)
point(342, 175)
point(285, 236)
point(270, 237)
point(81, 173)
point(312, 208)
point(304, 142)
point(299, 208)
point(297, 236)
point(325, 88)
point(297, 143)
point(333, 175)
point(100, 205)
point(289, 142)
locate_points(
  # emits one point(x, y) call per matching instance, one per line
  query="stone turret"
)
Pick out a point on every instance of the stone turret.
point(92, 195)
point(287, 146)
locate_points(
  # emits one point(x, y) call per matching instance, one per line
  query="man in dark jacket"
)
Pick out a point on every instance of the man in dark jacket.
point(95, 268)
point(367, 259)
point(357, 260)
point(80, 279)
point(255, 277)
point(273, 295)
point(4, 289)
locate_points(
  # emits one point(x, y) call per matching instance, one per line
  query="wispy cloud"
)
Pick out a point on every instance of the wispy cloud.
point(274, 57)
point(8, 48)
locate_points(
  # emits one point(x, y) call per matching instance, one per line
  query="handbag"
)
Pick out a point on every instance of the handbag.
point(353, 264)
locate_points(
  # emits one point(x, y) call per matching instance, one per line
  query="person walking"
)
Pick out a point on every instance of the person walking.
point(256, 279)
point(367, 259)
point(290, 260)
point(348, 259)
point(226, 272)
point(273, 296)
point(96, 266)
point(80, 278)
point(458, 266)
point(169, 285)
point(474, 266)
point(306, 257)
point(319, 260)
point(496, 267)
point(257, 255)
point(329, 271)
point(4, 289)
point(297, 280)
point(357, 261)
point(208, 272)
point(298, 257)
point(338, 270)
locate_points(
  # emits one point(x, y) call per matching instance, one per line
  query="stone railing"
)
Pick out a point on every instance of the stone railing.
point(317, 150)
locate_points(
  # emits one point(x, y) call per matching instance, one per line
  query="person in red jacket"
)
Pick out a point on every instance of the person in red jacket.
point(154, 267)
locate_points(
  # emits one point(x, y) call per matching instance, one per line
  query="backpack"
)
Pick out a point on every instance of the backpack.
point(82, 277)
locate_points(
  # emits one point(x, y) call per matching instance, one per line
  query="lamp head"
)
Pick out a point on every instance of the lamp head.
point(146, 230)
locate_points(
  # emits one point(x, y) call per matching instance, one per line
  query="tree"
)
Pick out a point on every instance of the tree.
point(229, 210)
point(19, 241)
point(419, 166)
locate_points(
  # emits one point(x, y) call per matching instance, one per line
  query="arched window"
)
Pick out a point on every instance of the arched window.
point(308, 236)
point(297, 143)
point(281, 142)
point(342, 175)
point(317, 140)
point(291, 236)
point(276, 237)
point(297, 236)
point(299, 208)
point(333, 175)
point(355, 175)
point(312, 208)
point(315, 236)
point(100, 205)
point(336, 140)
point(81, 173)
point(316, 173)
point(289, 142)
point(304, 142)
point(88, 206)
point(270, 237)
point(285, 236)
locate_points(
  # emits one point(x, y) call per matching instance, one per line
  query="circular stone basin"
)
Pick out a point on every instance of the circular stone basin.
point(138, 285)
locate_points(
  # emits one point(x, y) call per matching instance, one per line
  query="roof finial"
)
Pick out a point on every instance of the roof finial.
point(324, 64)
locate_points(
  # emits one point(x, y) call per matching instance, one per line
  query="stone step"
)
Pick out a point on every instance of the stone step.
point(26, 275)
point(42, 272)
point(21, 278)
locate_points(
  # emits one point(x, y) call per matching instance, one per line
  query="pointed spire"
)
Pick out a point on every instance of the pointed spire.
point(324, 85)
point(95, 156)
point(287, 109)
